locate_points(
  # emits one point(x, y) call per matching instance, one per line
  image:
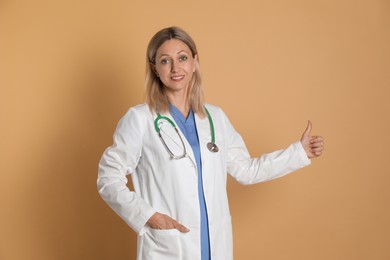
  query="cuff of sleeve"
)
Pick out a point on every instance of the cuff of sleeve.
point(301, 153)
point(141, 224)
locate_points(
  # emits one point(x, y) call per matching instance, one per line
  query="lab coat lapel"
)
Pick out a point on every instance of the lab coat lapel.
point(204, 135)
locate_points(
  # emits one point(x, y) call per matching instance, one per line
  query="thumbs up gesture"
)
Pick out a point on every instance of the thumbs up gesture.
point(313, 145)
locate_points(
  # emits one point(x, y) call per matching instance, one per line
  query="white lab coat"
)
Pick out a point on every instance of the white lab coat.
point(170, 186)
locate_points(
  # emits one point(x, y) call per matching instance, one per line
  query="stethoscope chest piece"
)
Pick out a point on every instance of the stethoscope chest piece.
point(212, 147)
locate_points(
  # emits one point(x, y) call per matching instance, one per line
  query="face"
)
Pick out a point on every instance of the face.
point(175, 65)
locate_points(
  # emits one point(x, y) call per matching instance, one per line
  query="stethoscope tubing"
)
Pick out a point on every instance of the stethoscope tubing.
point(211, 126)
point(211, 146)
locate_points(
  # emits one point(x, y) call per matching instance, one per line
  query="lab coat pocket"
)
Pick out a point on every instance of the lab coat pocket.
point(164, 244)
point(163, 233)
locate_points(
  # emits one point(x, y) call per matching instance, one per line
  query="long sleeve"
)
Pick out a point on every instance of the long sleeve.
point(247, 170)
point(117, 162)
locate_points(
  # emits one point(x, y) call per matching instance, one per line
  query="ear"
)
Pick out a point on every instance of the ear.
point(196, 62)
point(196, 58)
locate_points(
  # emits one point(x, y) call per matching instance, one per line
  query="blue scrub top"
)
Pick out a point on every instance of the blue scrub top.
point(188, 128)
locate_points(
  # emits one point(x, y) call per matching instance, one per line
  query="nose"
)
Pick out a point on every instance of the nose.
point(174, 65)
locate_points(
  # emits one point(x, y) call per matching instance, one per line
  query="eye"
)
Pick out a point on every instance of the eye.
point(183, 58)
point(165, 61)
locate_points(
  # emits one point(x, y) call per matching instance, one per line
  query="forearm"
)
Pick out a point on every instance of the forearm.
point(269, 166)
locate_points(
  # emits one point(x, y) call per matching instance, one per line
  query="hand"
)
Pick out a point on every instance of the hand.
point(161, 221)
point(313, 145)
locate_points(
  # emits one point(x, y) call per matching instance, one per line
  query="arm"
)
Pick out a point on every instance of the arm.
point(119, 160)
point(247, 170)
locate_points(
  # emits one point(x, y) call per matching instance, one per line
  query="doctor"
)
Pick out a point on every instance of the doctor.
point(179, 151)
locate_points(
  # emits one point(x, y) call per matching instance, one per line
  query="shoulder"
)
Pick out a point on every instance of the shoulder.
point(215, 110)
point(136, 116)
point(140, 110)
point(219, 116)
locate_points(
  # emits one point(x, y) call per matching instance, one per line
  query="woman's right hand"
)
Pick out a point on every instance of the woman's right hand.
point(161, 221)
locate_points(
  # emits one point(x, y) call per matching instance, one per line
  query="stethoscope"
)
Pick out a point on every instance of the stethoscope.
point(211, 146)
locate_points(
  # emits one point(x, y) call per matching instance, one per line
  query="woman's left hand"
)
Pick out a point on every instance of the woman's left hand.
point(313, 145)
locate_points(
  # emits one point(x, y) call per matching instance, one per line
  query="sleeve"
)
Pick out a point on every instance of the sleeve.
point(119, 160)
point(247, 170)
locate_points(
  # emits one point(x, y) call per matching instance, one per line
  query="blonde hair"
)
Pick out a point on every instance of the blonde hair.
point(156, 97)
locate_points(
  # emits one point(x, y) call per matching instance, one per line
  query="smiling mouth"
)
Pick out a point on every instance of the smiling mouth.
point(177, 77)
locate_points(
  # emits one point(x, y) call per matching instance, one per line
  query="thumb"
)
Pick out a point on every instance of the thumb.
point(307, 130)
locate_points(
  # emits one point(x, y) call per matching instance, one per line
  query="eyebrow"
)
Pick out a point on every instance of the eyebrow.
point(169, 55)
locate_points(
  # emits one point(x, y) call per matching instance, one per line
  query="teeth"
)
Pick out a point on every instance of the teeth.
point(177, 77)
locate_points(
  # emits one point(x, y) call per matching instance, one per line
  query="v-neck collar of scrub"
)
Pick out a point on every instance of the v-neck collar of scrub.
point(175, 112)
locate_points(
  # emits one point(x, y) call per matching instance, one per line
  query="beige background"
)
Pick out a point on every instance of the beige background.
point(70, 69)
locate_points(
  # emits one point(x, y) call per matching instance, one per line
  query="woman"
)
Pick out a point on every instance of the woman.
point(179, 206)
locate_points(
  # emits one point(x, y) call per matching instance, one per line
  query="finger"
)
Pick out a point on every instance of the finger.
point(316, 139)
point(307, 131)
point(181, 228)
point(314, 154)
point(316, 144)
point(317, 149)
point(161, 221)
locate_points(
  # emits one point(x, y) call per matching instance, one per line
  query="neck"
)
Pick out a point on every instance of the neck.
point(180, 101)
